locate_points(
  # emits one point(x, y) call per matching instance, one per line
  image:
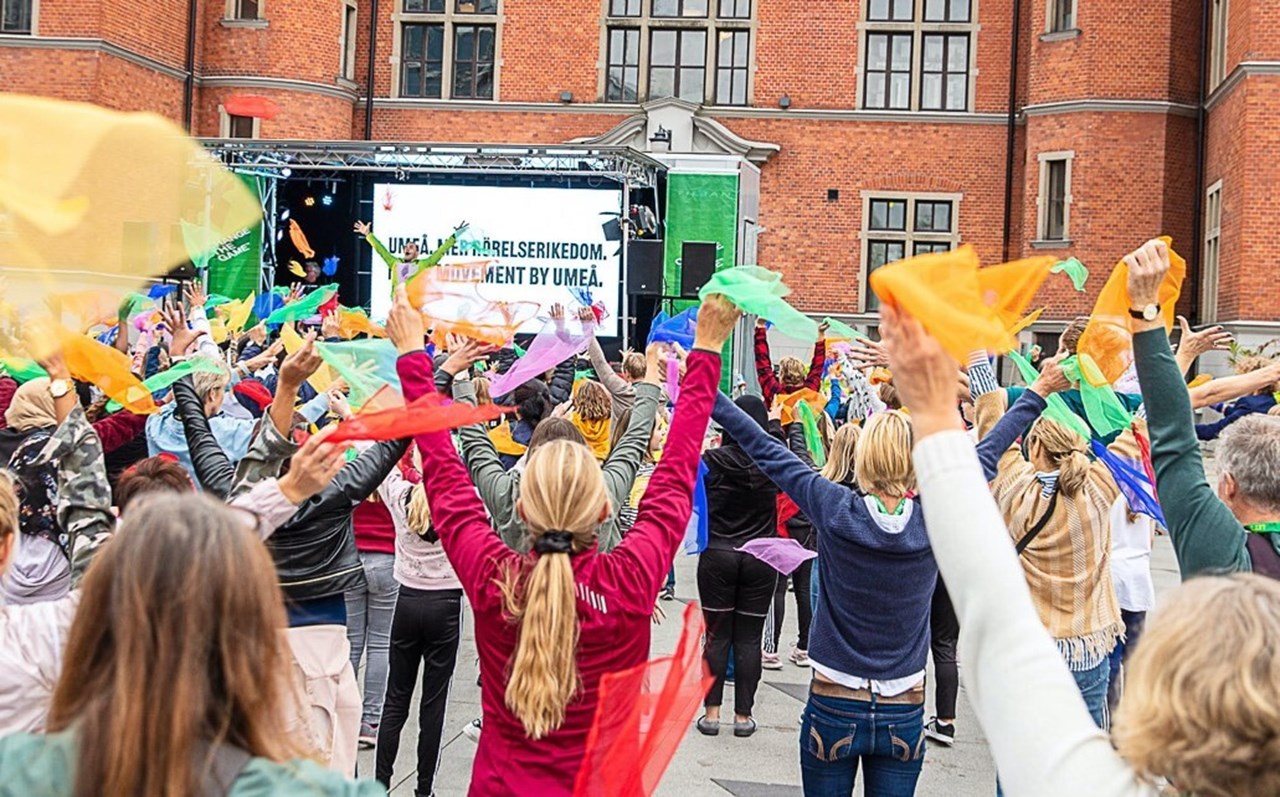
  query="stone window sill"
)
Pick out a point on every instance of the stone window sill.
point(1063, 244)
point(1060, 35)
point(243, 23)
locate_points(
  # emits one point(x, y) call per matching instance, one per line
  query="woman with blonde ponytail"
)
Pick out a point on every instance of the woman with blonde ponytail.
point(551, 623)
point(1057, 492)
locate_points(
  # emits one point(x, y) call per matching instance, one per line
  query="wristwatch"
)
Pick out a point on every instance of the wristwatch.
point(59, 388)
point(1148, 312)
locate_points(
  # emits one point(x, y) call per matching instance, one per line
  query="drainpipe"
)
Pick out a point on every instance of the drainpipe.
point(373, 47)
point(1202, 132)
point(1011, 126)
point(189, 85)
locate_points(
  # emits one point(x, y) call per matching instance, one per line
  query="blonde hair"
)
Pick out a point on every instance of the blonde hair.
point(592, 401)
point(419, 511)
point(1251, 363)
point(840, 461)
point(562, 491)
point(1064, 449)
point(882, 461)
point(481, 386)
point(1069, 340)
point(206, 382)
point(1201, 704)
point(792, 372)
point(634, 365)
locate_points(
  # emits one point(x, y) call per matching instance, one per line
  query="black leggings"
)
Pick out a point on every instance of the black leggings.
point(426, 628)
point(944, 635)
point(736, 590)
point(804, 609)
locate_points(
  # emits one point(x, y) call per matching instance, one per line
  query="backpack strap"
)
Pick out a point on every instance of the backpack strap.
point(227, 765)
point(1039, 526)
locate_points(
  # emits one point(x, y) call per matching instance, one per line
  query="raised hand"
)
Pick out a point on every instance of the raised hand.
point(1148, 265)
point(1192, 344)
point(1052, 379)
point(869, 352)
point(363, 227)
point(923, 372)
point(313, 467)
point(465, 352)
point(716, 320)
point(195, 295)
point(404, 324)
point(299, 366)
point(183, 336)
point(331, 326)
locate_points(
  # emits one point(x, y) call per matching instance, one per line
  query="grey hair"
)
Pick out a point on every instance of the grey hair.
point(1249, 450)
point(206, 382)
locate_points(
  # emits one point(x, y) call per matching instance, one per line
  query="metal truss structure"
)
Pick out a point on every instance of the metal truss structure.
point(281, 158)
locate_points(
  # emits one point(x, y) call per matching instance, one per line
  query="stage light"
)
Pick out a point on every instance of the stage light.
point(309, 201)
point(284, 215)
point(286, 172)
point(279, 235)
point(326, 200)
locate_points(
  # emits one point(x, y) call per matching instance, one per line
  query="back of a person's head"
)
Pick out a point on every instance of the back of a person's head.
point(634, 366)
point(206, 382)
point(887, 393)
point(792, 372)
point(1069, 340)
point(555, 429)
point(1201, 704)
point(149, 476)
point(532, 401)
point(592, 401)
point(177, 644)
point(1065, 452)
point(562, 502)
point(1252, 362)
point(483, 395)
point(1248, 452)
point(840, 466)
point(882, 458)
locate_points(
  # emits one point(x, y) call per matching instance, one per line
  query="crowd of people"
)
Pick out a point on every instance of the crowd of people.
point(217, 598)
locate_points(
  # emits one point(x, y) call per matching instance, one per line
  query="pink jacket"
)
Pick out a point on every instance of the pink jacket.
point(616, 591)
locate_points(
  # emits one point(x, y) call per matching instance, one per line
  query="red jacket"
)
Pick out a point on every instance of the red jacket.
point(616, 591)
point(769, 384)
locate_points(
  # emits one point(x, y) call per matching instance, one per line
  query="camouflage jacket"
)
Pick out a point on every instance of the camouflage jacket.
point(84, 494)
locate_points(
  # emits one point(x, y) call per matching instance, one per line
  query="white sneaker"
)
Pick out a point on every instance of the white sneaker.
point(771, 661)
point(799, 657)
point(472, 731)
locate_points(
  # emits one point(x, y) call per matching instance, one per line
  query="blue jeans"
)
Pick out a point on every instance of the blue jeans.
point(369, 613)
point(1133, 624)
point(835, 734)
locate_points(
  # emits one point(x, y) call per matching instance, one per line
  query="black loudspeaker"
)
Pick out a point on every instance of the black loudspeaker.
point(697, 264)
point(644, 268)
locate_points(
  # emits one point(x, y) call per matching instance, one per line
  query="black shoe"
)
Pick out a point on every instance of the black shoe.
point(708, 727)
point(944, 733)
point(668, 593)
point(744, 729)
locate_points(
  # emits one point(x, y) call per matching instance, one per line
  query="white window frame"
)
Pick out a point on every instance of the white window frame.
point(1210, 274)
point(711, 24)
point(918, 29)
point(1219, 30)
point(35, 20)
point(449, 18)
point(1049, 7)
point(347, 41)
point(909, 236)
point(1042, 201)
point(229, 13)
point(224, 125)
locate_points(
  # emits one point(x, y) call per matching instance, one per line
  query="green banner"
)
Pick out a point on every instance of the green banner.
point(235, 266)
point(701, 208)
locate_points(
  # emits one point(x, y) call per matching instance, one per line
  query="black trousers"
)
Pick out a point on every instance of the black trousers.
point(804, 609)
point(736, 590)
point(426, 629)
point(944, 636)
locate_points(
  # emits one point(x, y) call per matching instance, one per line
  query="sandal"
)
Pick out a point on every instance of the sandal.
point(744, 729)
point(707, 727)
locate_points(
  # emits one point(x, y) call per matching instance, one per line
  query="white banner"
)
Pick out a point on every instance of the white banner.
point(543, 242)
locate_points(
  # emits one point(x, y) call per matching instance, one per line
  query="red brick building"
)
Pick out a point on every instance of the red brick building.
point(879, 128)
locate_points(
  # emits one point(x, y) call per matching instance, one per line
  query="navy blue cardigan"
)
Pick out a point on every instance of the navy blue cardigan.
point(874, 587)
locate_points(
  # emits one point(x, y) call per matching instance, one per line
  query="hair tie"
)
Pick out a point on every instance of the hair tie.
point(554, 542)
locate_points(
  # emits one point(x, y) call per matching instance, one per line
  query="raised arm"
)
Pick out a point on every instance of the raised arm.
point(668, 501)
point(764, 365)
point(813, 380)
point(497, 486)
point(1229, 388)
point(622, 391)
point(212, 466)
point(1206, 536)
point(624, 460)
point(807, 488)
point(457, 513)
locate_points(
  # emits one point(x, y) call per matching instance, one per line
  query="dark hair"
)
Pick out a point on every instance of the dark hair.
point(532, 401)
point(151, 475)
point(555, 429)
point(1070, 338)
